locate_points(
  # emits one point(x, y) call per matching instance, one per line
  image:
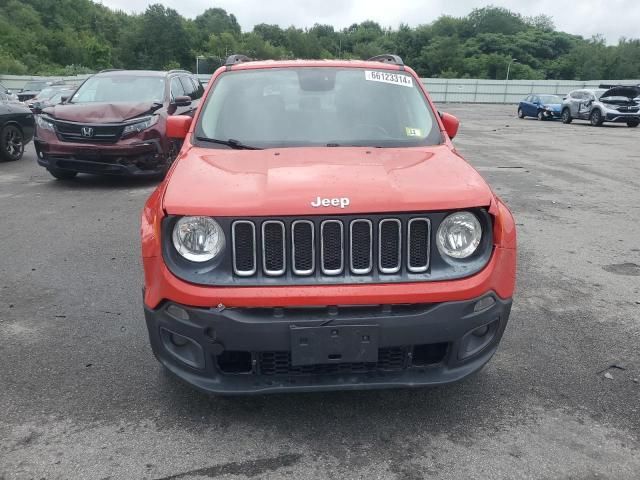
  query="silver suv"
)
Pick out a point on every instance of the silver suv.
point(616, 104)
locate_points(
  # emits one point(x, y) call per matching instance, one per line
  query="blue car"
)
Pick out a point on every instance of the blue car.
point(542, 106)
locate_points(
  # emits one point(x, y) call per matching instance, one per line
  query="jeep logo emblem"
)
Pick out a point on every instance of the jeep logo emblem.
point(341, 202)
point(87, 132)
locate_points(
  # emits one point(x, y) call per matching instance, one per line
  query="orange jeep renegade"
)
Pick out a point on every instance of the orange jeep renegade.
point(319, 231)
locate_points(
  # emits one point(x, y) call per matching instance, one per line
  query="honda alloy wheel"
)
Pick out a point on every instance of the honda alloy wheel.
point(566, 116)
point(11, 143)
point(596, 118)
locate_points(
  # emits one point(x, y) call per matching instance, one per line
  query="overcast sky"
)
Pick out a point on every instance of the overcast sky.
point(611, 18)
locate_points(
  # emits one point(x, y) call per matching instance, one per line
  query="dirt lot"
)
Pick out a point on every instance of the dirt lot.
point(81, 395)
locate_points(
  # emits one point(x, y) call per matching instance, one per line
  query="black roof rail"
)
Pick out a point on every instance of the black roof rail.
point(179, 70)
point(234, 59)
point(387, 58)
point(110, 70)
point(612, 85)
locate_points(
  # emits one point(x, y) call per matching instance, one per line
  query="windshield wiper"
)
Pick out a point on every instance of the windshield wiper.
point(229, 143)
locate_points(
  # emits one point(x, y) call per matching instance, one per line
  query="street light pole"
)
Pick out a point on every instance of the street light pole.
point(513, 60)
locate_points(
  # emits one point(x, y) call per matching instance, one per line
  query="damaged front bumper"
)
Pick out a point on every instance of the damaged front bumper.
point(133, 159)
point(268, 350)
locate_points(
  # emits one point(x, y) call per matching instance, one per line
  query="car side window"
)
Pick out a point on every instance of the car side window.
point(528, 98)
point(189, 88)
point(177, 90)
point(535, 99)
point(576, 95)
point(199, 91)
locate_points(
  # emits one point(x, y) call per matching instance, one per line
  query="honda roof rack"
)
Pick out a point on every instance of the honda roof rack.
point(234, 59)
point(387, 58)
point(110, 70)
point(179, 70)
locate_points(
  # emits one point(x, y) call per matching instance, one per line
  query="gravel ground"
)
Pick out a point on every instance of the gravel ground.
point(81, 395)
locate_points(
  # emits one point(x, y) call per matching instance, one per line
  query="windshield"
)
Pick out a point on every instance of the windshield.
point(57, 98)
point(550, 99)
point(282, 107)
point(34, 86)
point(121, 88)
point(46, 93)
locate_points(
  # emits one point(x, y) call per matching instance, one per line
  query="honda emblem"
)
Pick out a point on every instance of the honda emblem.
point(87, 132)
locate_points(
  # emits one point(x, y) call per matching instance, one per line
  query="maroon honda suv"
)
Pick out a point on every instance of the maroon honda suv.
point(115, 124)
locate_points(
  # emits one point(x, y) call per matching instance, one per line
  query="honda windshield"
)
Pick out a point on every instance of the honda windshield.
point(304, 106)
point(121, 88)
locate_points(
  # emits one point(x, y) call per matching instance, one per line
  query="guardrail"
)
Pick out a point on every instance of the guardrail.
point(442, 90)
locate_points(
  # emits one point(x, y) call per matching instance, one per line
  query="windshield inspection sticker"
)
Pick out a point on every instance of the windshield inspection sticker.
point(386, 77)
point(412, 132)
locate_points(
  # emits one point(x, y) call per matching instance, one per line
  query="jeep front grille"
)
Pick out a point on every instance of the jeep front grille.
point(331, 247)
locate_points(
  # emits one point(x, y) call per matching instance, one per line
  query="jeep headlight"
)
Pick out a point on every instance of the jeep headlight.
point(142, 124)
point(44, 122)
point(459, 235)
point(198, 239)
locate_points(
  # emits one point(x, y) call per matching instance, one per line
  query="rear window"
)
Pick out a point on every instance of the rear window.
point(281, 107)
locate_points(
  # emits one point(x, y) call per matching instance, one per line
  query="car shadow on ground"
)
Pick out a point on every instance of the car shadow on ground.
point(105, 182)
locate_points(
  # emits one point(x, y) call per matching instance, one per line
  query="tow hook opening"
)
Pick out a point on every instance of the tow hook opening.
point(235, 362)
point(429, 354)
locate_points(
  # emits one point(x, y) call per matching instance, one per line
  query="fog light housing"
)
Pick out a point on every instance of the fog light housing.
point(183, 348)
point(477, 339)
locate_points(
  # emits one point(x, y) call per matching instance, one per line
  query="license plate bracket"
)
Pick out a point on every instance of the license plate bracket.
point(334, 344)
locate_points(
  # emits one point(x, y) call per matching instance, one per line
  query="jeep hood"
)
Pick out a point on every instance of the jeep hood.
point(98, 112)
point(286, 181)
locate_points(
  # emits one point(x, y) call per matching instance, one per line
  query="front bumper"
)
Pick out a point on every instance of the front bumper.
point(551, 114)
point(617, 117)
point(249, 350)
point(133, 159)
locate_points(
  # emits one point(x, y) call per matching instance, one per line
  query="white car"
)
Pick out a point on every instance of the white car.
point(617, 104)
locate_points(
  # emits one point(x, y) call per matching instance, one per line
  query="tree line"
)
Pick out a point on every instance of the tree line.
point(64, 37)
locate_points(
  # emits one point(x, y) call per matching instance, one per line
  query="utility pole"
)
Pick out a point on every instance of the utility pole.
point(513, 60)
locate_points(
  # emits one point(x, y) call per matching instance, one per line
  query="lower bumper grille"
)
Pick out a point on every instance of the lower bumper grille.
point(279, 363)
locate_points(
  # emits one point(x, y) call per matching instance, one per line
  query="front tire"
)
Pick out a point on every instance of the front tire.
point(540, 115)
point(566, 116)
point(11, 143)
point(596, 118)
point(520, 113)
point(62, 174)
point(633, 124)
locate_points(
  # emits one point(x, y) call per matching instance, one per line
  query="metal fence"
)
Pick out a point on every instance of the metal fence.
point(442, 90)
point(503, 91)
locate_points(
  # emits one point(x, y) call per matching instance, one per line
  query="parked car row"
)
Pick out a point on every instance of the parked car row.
point(609, 103)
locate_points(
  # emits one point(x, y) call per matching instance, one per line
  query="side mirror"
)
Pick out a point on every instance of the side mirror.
point(451, 124)
point(178, 126)
point(64, 99)
point(182, 101)
point(37, 108)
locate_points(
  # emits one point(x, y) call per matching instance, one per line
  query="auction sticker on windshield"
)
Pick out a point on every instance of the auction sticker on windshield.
point(394, 78)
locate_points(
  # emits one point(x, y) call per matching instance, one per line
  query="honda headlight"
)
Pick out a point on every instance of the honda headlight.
point(198, 239)
point(459, 235)
point(44, 122)
point(142, 124)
